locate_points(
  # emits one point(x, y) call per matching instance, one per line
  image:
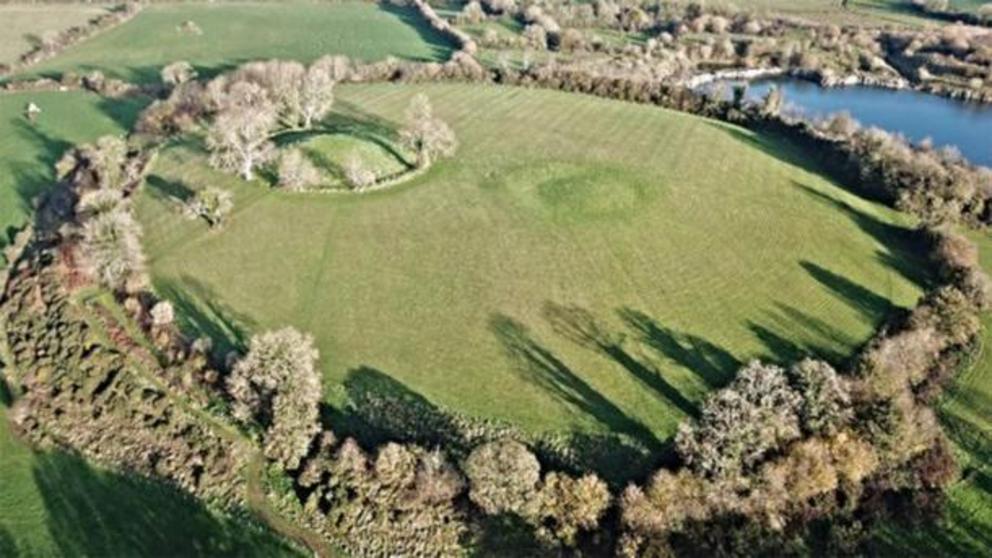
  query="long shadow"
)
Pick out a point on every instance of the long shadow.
point(349, 120)
point(382, 409)
point(712, 363)
point(783, 347)
point(96, 513)
point(441, 45)
point(579, 326)
point(906, 247)
point(202, 315)
point(871, 305)
point(780, 349)
point(170, 190)
point(541, 367)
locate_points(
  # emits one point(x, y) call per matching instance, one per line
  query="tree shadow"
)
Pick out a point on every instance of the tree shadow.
point(168, 190)
point(441, 45)
point(541, 367)
point(200, 314)
point(870, 305)
point(713, 364)
point(381, 409)
point(906, 248)
point(778, 335)
point(96, 513)
point(581, 327)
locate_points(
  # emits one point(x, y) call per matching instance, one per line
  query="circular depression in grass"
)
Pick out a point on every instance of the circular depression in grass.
point(580, 265)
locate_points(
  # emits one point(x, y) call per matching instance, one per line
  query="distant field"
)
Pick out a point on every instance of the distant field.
point(692, 245)
point(54, 504)
point(22, 23)
point(859, 11)
point(237, 32)
point(28, 152)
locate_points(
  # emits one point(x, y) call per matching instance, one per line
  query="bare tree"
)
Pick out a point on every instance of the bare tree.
point(296, 172)
point(178, 73)
point(427, 136)
point(213, 204)
point(239, 137)
point(111, 248)
point(316, 94)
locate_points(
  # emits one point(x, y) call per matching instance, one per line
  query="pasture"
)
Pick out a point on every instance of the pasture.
point(579, 265)
point(24, 24)
point(223, 35)
point(28, 151)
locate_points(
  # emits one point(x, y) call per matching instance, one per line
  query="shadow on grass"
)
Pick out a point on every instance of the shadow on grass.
point(441, 45)
point(382, 409)
point(202, 315)
point(870, 305)
point(168, 190)
point(541, 367)
point(581, 327)
point(712, 363)
point(350, 120)
point(96, 513)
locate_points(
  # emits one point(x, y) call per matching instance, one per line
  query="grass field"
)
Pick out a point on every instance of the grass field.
point(581, 264)
point(54, 504)
point(24, 23)
point(238, 32)
point(28, 151)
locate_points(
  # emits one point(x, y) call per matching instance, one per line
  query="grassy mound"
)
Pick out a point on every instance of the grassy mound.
point(580, 265)
point(330, 150)
point(29, 151)
point(231, 33)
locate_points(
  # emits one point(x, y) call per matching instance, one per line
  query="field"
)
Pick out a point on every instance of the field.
point(54, 504)
point(581, 265)
point(23, 24)
point(237, 32)
point(28, 151)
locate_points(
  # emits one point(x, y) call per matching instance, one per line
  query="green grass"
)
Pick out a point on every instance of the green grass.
point(238, 32)
point(966, 413)
point(581, 264)
point(24, 23)
point(28, 151)
point(54, 504)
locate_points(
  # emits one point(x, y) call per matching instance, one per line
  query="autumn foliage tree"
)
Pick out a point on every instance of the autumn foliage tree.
point(277, 386)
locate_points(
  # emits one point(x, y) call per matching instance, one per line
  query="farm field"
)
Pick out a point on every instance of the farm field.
point(582, 265)
point(28, 152)
point(232, 33)
point(23, 23)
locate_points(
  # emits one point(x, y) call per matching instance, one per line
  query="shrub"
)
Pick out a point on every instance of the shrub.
point(178, 73)
point(213, 204)
point(826, 404)
point(357, 174)
point(568, 505)
point(111, 248)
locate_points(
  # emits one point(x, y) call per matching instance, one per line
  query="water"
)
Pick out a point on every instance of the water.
point(918, 116)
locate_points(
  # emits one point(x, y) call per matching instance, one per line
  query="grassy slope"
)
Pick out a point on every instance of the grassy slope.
point(54, 504)
point(28, 152)
point(22, 21)
point(966, 412)
point(693, 244)
point(238, 32)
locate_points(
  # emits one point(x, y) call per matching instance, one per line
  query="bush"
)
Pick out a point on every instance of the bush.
point(358, 176)
point(213, 204)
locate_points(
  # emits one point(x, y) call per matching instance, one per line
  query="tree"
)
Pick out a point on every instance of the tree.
point(107, 159)
point(111, 248)
point(277, 385)
point(239, 137)
point(568, 504)
point(178, 73)
point(427, 136)
point(757, 413)
point(503, 477)
point(296, 172)
point(213, 204)
point(826, 404)
point(358, 175)
point(316, 94)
